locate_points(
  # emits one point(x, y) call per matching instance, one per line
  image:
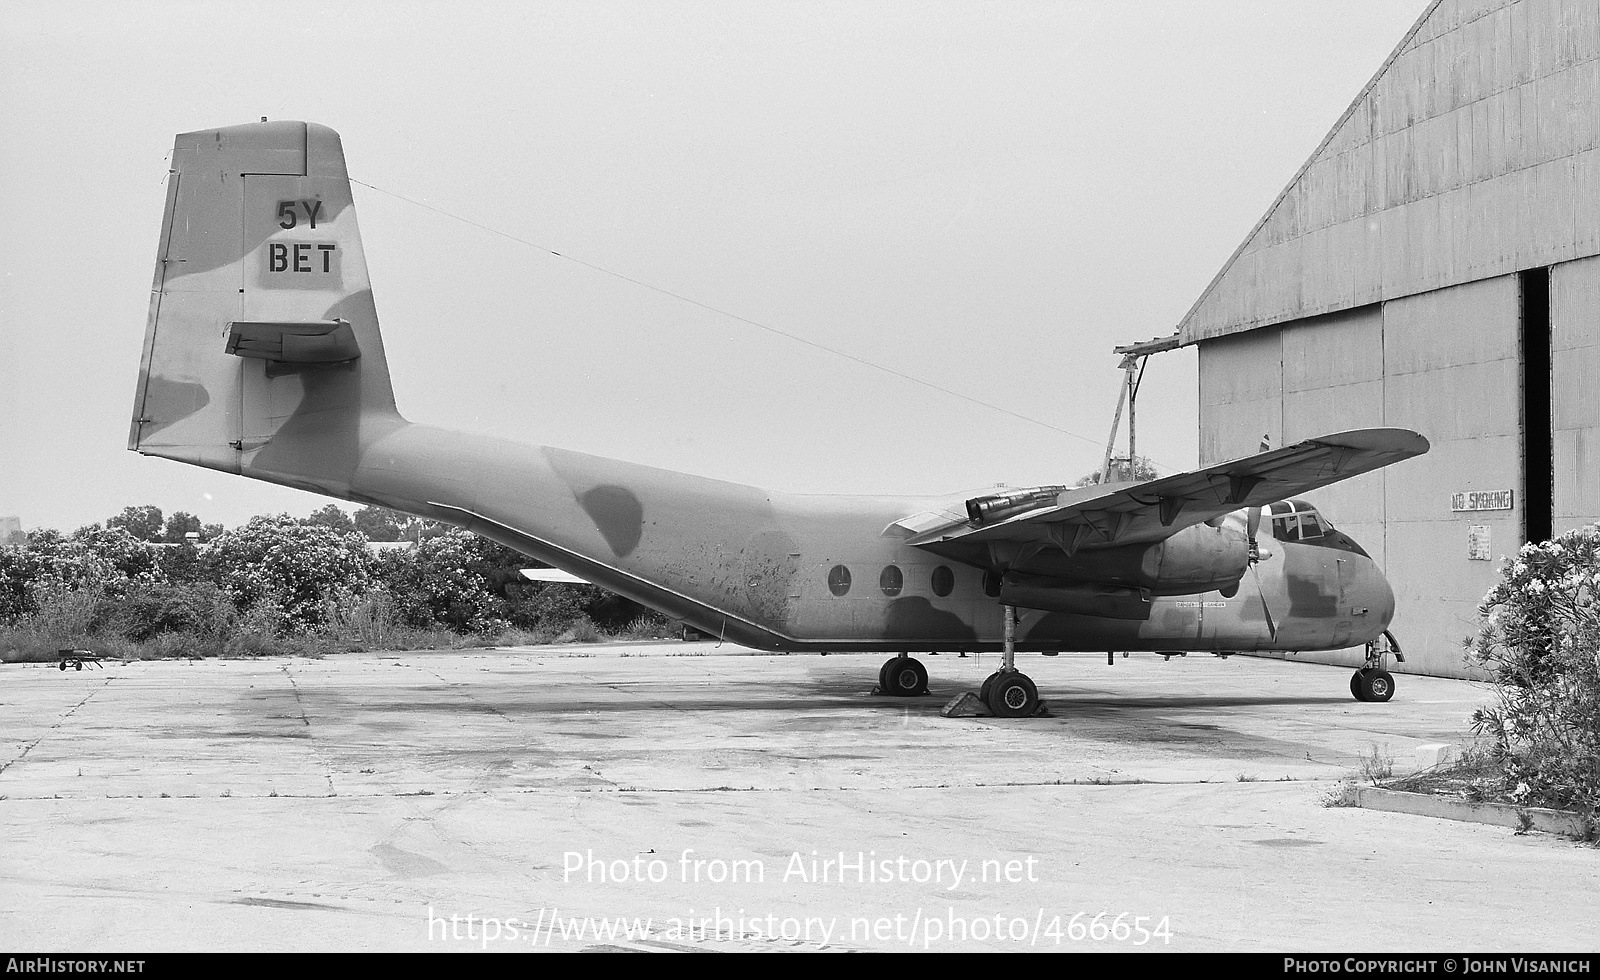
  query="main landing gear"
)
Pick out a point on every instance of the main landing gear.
point(903, 677)
point(1373, 682)
point(1008, 692)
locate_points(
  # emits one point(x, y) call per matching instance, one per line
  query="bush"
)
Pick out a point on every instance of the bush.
point(147, 610)
point(445, 581)
point(277, 586)
point(298, 573)
point(53, 565)
point(1539, 640)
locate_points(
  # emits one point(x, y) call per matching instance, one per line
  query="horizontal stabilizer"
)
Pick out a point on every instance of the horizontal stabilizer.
point(552, 575)
point(318, 342)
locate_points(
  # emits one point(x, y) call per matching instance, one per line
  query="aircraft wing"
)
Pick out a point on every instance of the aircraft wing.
point(1131, 513)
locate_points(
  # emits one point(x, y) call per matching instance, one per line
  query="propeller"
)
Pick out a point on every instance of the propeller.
point(1272, 627)
point(1252, 527)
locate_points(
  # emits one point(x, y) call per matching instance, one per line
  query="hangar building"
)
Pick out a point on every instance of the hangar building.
point(1435, 265)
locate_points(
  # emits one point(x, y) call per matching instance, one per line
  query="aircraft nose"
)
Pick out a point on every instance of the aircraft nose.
point(1378, 595)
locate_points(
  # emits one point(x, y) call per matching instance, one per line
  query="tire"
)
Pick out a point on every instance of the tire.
point(988, 683)
point(1013, 696)
point(78, 666)
point(905, 677)
point(883, 676)
point(1356, 686)
point(62, 665)
point(1377, 685)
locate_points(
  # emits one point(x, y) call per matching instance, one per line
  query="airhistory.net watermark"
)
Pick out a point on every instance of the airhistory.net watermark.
point(922, 929)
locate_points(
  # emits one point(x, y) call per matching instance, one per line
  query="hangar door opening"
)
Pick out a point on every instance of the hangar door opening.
point(1538, 457)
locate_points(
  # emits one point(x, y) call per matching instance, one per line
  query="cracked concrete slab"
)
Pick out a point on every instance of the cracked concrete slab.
point(362, 801)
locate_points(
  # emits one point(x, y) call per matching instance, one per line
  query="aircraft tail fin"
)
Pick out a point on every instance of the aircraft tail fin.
point(262, 354)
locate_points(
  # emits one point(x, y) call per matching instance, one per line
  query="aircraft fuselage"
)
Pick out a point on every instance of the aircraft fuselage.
point(791, 571)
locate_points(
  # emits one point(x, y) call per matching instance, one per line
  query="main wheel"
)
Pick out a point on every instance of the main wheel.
point(1013, 696)
point(905, 677)
point(78, 665)
point(1355, 686)
point(62, 665)
point(1377, 685)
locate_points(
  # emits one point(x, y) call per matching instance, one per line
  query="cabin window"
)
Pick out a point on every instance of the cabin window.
point(944, 581)
point(839, 580)
point(1286, 528)
point(891, 581)
point(1310, 527)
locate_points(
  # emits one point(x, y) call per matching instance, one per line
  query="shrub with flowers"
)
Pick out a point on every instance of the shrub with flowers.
point(277, 585)
point(445, 581)
point(92, 562)
point(1539, 640)
point(299, 570)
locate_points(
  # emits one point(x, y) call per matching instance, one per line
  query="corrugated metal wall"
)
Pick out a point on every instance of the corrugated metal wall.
point(1448, 364)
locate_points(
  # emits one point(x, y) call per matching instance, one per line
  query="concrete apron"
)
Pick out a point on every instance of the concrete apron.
point(740, 801)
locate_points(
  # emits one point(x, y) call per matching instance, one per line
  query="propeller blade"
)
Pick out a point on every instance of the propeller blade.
point(1272, 627)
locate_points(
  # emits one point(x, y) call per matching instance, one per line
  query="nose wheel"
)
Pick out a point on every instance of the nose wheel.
point(1373, 682)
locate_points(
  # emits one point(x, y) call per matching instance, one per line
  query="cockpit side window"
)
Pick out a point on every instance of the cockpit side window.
point(1310, 526)
point(1286, 528)
point(1297, 520)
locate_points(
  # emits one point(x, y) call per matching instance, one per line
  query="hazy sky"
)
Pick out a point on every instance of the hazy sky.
point(985, 196)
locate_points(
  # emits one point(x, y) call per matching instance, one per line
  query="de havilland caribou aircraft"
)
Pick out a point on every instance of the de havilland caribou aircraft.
point(262, 357)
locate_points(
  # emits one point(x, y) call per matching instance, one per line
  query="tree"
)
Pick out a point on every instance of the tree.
point(378, 523)
point(178, 525)
point(333, 516)
point(1140, 470)
point(131, 557)
point(143, 523)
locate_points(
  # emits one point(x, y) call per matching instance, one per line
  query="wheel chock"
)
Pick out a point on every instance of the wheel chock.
point(965, 705)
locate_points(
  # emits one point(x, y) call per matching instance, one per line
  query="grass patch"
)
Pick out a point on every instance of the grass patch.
point(1475, 777)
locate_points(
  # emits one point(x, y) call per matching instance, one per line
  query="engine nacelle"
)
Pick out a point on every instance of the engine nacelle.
point(1196, 559)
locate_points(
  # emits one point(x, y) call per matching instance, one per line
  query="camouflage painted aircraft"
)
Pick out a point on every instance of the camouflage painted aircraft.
point(262, 357)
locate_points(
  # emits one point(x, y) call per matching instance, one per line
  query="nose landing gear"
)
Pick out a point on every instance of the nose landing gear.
point(1373, 682)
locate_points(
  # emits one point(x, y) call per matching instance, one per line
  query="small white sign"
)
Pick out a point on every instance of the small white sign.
point(1478, 542)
